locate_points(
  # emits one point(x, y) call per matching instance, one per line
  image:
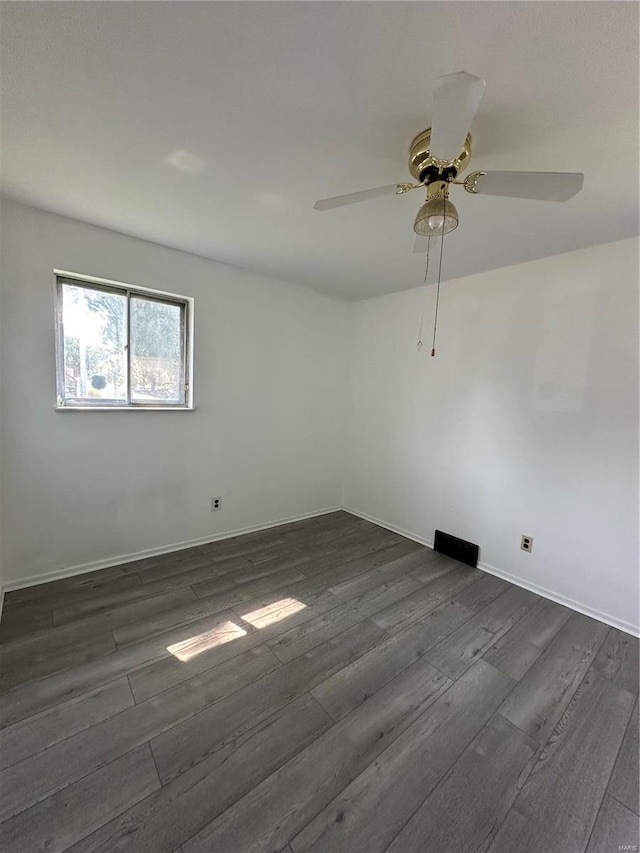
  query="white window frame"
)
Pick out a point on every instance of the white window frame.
point(186, 302)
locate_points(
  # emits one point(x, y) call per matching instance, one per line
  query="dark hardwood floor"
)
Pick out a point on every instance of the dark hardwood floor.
point(321, 686)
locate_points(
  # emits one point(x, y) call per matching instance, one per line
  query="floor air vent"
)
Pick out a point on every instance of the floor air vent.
point(459, 549)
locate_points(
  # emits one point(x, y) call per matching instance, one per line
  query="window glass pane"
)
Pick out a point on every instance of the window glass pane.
point(94, 323)
point(157, 371)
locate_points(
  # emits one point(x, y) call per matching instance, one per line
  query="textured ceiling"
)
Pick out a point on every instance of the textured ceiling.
point(213, 127)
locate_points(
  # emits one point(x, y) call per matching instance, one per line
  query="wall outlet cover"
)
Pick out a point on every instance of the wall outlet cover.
point(526, 543)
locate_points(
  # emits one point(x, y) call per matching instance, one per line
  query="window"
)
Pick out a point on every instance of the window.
point(120, 346)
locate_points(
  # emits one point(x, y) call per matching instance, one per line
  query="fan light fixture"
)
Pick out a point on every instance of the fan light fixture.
point(437, 158)
point(438, 215)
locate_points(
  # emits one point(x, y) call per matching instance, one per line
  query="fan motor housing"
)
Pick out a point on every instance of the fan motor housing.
point(426, 170)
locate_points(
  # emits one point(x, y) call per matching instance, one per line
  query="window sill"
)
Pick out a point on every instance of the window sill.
point(124, 408)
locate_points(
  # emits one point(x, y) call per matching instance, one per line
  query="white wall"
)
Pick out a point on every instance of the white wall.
point(525, 422)
point(1, 425)
point(270, 386)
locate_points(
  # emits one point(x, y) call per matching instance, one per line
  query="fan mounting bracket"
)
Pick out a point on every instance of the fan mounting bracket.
point(426, 169)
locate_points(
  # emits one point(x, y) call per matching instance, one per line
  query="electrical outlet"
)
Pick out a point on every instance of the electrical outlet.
point(526, 543)
point(216, 504)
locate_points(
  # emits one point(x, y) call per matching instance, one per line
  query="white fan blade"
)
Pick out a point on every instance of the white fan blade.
point(354, 198)
point(543, 186)
point(456, 98)
point(420, 244)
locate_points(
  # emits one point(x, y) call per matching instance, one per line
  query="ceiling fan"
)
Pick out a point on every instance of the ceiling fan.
point(438, 155)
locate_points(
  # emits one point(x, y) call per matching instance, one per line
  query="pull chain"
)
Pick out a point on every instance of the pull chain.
point(435, 316)
point(420, 344)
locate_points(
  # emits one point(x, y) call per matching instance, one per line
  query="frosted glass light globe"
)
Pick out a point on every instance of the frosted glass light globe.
point(436, 217)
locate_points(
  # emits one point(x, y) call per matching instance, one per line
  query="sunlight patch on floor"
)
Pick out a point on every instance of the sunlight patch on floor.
point(224, 633)
point(273, 612)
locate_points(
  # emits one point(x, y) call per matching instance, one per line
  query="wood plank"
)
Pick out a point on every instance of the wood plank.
point(268, 816)
point(252, 546)
point(269, 564)
point(348, 688)
point(44, 644)
point(102, 579)
point(327, 532)
point(243, 544)
point(307, 533)
point(46, 772)
point(523, 644)
point(90, 589)
point(397, 566)
point(126, 573)
point(445, 577)
point(278, 531)
point(45, 604)
point(193, 610)
point(239, 593)
point(175, 577)
point(459, 650)
point(417, 606)
point(474, 796)
point(367, 815)
point(184, 806)
point(327, 537)
point(37, 733)
point(195, 739)
point(314, 542)
point(440, 565)
point(323, 521)
point(360, 545)
point(168, 558)
point(557, 806)
point(616, 829)
point(618, 660)
point(76, 632)
point(331, 524)
point(304, 591)
point(126, 614)
point(30, 660)
point(19, 622)
point(61, 820)
point(540, 698)
point(228, 594)
point(36, 696)
point(283, 547)
point(31, 698)
point(169, 671)
point(294, 552)
point(183, 569)
point(221, 557)
point(369, 532)
point(300, 639)
point(477, 595)
point(623, 784)
point(359, 567)
point(73, 610)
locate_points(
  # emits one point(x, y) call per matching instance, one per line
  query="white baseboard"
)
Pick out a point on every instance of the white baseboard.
point(627, 627)
point(394, 528)
point(613, 621)
point(107, 563)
